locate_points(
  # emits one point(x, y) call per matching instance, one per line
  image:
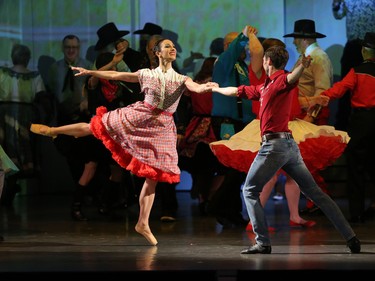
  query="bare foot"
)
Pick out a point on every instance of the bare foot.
point(302, 223)
point(146, 232)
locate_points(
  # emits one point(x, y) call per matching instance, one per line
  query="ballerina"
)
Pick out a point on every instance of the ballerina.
point(142, 136)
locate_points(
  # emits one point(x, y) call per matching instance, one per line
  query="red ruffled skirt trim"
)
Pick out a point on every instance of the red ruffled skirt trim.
point(236, 159)
point(320, 152)
point(320, 146)
point(124, 158)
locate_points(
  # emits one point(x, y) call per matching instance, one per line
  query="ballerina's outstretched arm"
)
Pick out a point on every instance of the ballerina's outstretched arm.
point(106, 74)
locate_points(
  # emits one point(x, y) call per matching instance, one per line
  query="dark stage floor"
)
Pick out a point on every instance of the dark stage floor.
point(40, 237)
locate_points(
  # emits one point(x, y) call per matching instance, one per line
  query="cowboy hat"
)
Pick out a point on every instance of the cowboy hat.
point(369, 40)
point(107, 34)
point(173, 36)
point(150, 29)
point(305, 29)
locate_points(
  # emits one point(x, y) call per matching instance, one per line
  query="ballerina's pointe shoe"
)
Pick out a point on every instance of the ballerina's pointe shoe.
point(146, 232)
point(43, 130)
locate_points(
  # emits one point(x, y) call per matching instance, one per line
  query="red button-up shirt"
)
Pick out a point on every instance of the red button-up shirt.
point(361, 82)
point(276, 99)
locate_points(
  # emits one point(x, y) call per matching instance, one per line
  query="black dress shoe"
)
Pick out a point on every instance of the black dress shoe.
point(224, 221)
point(103, 210)
point(354, 245)
point(257, 249)
point(77, 213)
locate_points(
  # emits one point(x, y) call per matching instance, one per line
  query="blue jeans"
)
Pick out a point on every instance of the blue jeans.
point(284, 154)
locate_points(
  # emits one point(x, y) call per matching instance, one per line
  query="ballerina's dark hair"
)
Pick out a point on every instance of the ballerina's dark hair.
point(157, 47)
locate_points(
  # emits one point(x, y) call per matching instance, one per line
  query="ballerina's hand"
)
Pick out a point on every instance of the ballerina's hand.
point(210, 85)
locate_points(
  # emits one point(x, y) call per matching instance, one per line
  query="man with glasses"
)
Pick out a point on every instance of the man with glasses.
point(70, 108)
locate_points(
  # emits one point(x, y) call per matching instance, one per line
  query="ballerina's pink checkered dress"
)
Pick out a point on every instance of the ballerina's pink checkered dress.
point(142, 136)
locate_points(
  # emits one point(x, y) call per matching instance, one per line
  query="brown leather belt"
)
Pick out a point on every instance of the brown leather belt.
point(281, 135)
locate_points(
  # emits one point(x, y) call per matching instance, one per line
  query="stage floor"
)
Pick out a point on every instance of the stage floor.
point(40, 237)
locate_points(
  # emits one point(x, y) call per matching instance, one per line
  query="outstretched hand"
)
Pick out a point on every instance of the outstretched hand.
point(248, 29)
point(322, 100)
point(210, 86)
point(118, 57)
point(121, 45)
point(81, 71)
point(251, 30)
point(306, 61)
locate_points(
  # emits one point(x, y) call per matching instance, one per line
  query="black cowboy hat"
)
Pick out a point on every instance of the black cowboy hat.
point(369, 40)
point(305, 29)
point(107, 34)
point(150, 29)
point(173, 36)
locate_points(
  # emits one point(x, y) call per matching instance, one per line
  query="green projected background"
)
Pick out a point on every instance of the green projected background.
point(41, 24)
point(198, 22)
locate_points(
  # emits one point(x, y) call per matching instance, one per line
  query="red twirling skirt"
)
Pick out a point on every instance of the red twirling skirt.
point(320, 146)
